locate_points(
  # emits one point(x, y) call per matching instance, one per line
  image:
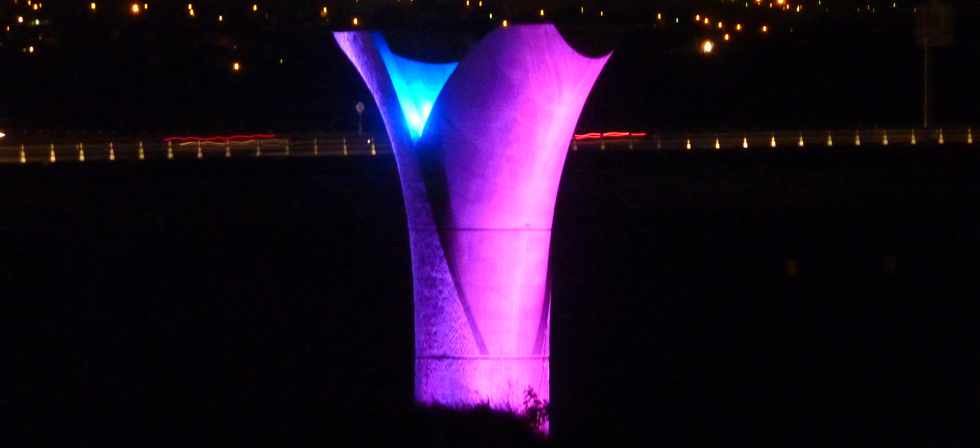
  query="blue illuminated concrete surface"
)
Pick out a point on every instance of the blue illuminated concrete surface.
point(416, 84)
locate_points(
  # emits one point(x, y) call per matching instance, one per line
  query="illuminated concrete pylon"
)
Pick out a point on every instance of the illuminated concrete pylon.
point(830, 140)
point(687, 145)
point(745, 143)
point(717, 143)
point(800, 142)
point(772, 141)
point(857, 138)
point(912, 141)
point(480, 147)
point(942, 139)
point(884, 138)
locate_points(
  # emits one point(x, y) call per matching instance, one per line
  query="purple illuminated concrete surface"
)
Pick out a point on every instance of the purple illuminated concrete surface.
point(480, 147)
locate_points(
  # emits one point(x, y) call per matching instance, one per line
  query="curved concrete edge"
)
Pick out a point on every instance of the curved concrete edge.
point(480, 189)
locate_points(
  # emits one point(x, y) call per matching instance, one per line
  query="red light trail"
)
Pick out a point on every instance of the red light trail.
point(601, 135)
point(219, 139)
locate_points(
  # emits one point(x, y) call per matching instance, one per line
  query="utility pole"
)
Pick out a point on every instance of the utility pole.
point(925, 85)
point(933, 28)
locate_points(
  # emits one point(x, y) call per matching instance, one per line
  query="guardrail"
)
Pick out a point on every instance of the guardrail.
point(184, 148)
point(770, 140)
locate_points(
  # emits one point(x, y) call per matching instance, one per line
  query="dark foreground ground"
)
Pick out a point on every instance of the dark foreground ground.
point(734, 299)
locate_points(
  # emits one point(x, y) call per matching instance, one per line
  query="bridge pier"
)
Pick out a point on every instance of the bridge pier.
point(480, 147)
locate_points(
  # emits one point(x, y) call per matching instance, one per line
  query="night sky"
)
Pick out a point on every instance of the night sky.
point(162, 70)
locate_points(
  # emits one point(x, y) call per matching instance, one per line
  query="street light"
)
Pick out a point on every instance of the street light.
point(2, 135)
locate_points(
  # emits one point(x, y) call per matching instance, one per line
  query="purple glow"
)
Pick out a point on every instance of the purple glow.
point(479, 190)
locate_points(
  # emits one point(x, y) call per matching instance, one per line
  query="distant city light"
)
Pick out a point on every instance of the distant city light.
point(221, 18)
point(541, 13)
point(2, 135)
point(135, 8)
point(505, 23)
point(707, 46)
point(236, 66)
point(30, 49)
point(255, 7)
point(765, 28)
point(92, 6)
point(323, 12)
point(20, 19)
point(727, 37)
point(356, 22)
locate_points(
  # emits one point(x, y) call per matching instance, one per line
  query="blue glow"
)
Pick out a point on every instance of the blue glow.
point(417, 85)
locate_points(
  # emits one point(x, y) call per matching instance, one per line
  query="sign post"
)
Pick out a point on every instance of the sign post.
point(359, 108)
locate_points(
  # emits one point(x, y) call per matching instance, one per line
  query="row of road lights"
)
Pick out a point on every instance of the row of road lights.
point(801, 141)
point(80, 149)
point(689, 143)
